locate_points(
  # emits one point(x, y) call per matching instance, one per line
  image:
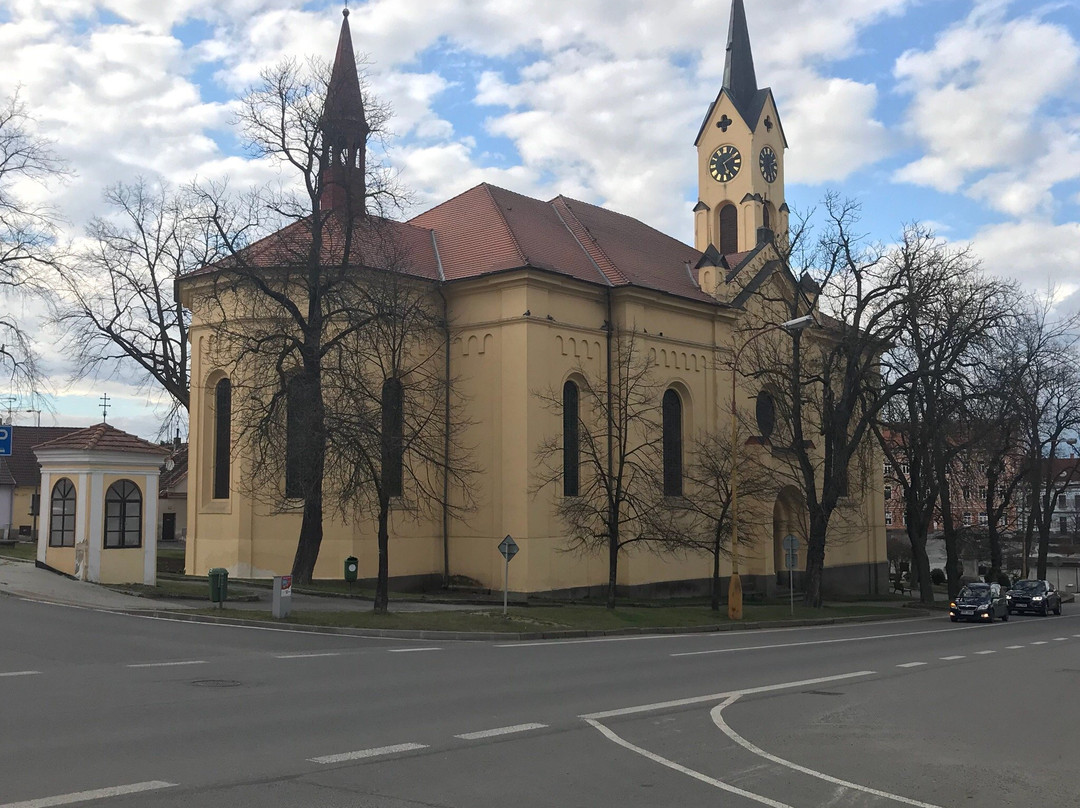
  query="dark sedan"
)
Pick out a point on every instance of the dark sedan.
point(979, 602)
point(1034, 596)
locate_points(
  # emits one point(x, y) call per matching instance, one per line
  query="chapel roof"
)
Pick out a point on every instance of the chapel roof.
point(103, 438)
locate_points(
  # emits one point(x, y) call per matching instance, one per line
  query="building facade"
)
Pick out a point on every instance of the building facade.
point(534, 292)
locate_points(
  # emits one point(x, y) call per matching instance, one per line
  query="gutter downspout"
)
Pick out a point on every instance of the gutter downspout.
point(610, 413)
point(446, 413)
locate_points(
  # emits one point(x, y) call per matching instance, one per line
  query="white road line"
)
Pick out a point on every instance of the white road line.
point(820, 642)
point(84, 796)
point(611, 736)
point(1060, 639)
point(491, 733)
point(911, 665)
point(718, 719)
point(984, 653)
point(364, 753)
point(410, 650)
point(19, 673)
point(165, 665)
point(1013, 647)
point(306, 656)
point(666, 705)
point(1040, 642)
point(951, 658)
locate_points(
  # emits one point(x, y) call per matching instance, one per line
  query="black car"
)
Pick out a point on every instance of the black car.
point(979, 602)
point(1034, 596)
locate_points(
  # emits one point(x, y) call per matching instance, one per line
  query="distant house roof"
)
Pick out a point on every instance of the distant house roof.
point(21, 468)
point(103, 438)
point(170, 478)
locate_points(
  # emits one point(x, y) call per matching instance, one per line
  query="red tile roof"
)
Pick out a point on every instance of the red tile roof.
point(170, 478)
point(104, 438)
point(22, 465)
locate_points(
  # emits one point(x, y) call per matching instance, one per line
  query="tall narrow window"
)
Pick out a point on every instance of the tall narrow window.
point(62, 515)
point(729, 230)
point(222, 437)
point(766, 218)
point(673, 483)
point(297, 439)
point(123, 515)
point(571, 445)
point(393, 440)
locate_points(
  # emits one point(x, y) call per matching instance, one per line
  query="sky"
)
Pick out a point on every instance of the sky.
point(962, 114)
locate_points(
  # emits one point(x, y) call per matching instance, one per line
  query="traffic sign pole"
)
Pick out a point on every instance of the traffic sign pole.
point(508, 547)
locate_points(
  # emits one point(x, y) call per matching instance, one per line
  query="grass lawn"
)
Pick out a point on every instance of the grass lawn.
point(23, 551)
point(559, 618)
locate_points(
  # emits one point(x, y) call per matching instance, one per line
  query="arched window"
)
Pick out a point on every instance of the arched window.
point(729, 230)
point(766, 218)
point(62, 515)
point(672, 415)
point(222, 437)
point(571, 444)
point(766, 414)
point(297, 438)
point(123, 515)
point(393, 439)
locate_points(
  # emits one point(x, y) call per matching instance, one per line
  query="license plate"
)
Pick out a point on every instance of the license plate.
point(967, 611)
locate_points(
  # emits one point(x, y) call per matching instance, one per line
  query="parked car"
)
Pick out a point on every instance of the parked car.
point(1034, 596)
point(979, 602)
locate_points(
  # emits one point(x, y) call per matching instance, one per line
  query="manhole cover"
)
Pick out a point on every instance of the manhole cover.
point(216, 683)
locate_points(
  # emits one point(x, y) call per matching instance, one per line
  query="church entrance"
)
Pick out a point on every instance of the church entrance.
point(789, 519)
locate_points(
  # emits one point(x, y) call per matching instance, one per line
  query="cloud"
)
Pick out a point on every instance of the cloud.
point(981, 110)
point(1042, 256)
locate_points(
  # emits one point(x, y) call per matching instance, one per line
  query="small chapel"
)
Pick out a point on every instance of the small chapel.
point(533, 291)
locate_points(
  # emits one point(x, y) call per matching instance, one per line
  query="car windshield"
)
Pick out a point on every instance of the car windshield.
point(975, 591)
point(1028, 586)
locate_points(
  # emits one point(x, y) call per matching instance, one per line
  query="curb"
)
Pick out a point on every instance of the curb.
point(570, 634)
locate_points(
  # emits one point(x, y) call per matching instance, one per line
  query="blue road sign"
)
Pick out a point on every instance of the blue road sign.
point(5, 440)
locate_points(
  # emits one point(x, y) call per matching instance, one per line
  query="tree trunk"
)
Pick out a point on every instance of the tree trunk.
point(815, 560)
point(715, 604)
point(1044, 547)
point(613, 566)
point(311, 533)
point(382, 585)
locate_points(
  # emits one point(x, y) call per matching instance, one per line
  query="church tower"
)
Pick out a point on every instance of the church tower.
point(740, 156)
point(344, 130)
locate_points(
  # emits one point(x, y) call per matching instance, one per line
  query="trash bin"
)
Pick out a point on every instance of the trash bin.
point(219, 584)
point(352, 564)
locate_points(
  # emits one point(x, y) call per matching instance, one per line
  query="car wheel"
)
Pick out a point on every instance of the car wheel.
point(953, 619)
point(1057, 609)
point(990, 619)
point(1045, 610)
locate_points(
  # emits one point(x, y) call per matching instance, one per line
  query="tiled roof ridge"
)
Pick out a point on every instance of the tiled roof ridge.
point(488, 187)
point(91, 438)
point(600, 259)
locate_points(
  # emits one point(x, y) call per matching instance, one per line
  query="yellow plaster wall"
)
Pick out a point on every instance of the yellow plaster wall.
point(61, 558)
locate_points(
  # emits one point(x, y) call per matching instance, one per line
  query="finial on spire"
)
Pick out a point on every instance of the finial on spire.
point(345, 11)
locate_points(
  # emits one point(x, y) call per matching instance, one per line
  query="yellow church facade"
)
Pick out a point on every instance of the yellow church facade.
point(534, 291)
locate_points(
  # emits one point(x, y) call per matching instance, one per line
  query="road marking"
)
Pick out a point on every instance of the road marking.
point(718, 719)
point(19, 673)
point(1040, 642)
point(911, 665)
point(165, 665)
point(410, 650)
point(306, 656)
point(611, 736)
point(1013, 647)
point(1060, 639)
point(84, 796)
point(491, 733)
point(666, 705)
point(951, 658)
point(364, 753)
point(984, 653)
point(821, 642)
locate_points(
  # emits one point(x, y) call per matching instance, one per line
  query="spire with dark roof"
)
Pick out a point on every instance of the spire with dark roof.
point(740, 81)
point(345, 130)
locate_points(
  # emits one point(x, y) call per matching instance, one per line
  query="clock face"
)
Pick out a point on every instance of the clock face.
point(769, 164)
point(725, 163)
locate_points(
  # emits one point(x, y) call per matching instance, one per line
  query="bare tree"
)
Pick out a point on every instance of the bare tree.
point(115, 302)
point(619, 445)
point(27, 236)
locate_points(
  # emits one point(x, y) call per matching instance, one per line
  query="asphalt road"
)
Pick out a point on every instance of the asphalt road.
point(107, 709)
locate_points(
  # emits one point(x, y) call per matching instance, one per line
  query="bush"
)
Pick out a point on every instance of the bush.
point(937, 576)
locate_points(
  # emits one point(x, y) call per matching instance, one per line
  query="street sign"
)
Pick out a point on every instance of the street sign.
point(5, 440)
point(286, 586)
point(791, 558)
point(508, 547)
point(791, 543)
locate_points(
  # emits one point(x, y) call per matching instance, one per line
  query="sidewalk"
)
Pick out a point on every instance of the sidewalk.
point(23, 579)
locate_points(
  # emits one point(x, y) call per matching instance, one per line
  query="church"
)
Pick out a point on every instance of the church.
point(533, 291)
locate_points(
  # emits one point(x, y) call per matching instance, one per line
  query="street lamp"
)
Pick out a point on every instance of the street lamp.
point(735, 598)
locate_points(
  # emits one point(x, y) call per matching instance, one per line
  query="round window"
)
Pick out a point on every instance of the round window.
point(766, 414)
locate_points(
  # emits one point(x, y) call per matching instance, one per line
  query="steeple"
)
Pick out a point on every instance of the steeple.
point(345, 130)
point(740, 82)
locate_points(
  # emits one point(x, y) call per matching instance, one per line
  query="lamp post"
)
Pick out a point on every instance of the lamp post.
point(735, 597)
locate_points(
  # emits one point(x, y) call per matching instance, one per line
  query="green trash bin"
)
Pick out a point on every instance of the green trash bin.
point(352, 564)
point(219, 584)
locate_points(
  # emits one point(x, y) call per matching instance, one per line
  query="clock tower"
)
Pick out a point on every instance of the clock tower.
point(740, 156)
